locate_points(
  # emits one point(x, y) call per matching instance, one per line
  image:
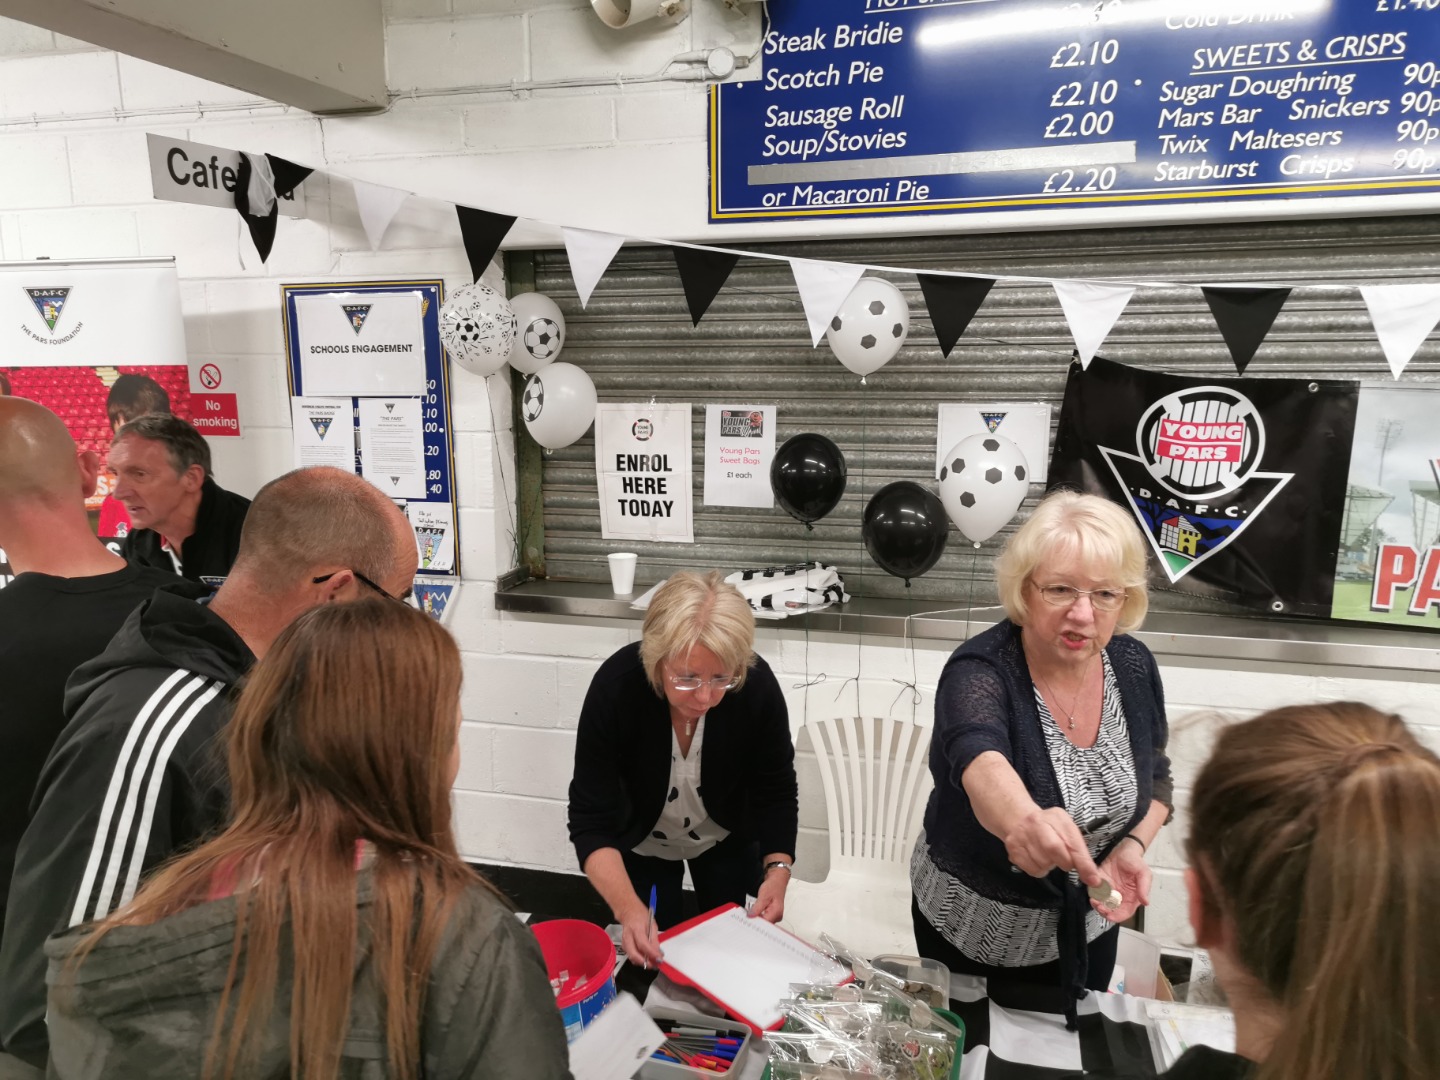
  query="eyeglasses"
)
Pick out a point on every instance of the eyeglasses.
point(402, 599)
point(1064, 596)
point(720, 683)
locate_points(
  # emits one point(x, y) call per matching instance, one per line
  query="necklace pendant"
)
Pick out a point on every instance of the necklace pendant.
point(1072, 723)
point(689, 724)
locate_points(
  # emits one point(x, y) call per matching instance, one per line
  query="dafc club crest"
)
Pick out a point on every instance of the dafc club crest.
point(357, 314)
point(49, 303)
point(1193, 479)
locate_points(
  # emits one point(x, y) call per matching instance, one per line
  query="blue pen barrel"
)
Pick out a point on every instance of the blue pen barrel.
point(587, 955)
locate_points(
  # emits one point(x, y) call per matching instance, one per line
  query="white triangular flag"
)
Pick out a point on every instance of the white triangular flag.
point(1091, 309)
point(378, 206)
point(823, 288)
point(590, 254)
point(1403, 316)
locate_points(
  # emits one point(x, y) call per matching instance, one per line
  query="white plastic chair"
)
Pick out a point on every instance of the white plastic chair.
point(876, 779)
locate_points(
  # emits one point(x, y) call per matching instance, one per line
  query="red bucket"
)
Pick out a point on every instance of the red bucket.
point(586, 956)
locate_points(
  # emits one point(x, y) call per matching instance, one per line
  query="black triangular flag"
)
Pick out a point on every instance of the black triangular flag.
point(483, 232)
point(1244, 317)
point(952, 303)
point(262, 229)
point(702, 274)
point(288, 175)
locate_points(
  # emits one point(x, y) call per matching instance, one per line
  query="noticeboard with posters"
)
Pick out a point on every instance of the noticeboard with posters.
point(370, 391)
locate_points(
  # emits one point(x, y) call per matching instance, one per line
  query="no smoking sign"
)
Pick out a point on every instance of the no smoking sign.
point(209, 376)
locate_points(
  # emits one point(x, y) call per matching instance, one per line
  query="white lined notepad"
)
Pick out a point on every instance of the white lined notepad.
point(747, 964)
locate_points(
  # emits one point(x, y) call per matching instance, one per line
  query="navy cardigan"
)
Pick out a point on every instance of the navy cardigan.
point(622, 761)
point(986, 701)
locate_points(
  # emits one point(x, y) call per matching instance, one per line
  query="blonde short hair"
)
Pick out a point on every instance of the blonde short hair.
point(697, 609)
point(1096, 531)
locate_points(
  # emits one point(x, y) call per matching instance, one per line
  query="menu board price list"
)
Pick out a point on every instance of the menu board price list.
point(934, 105)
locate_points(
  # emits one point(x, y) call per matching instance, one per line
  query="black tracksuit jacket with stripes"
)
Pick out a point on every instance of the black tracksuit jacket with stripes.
point(137, 774)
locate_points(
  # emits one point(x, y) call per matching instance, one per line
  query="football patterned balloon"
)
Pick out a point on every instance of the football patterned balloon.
point(540, 332)
point(477, 328)
point(558, 405)
point(983, 481)
point(870, 326)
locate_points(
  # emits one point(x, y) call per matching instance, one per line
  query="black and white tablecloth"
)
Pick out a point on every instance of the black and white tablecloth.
point(1006, 1043)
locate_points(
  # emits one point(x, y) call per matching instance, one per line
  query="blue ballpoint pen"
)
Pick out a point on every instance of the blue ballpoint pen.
point(652, 915)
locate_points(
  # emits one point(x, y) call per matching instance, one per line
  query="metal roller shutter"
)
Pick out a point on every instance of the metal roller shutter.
point(636, 341)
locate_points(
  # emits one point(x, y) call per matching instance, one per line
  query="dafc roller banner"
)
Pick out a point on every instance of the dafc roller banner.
point(97, 343)
point(1238, 484)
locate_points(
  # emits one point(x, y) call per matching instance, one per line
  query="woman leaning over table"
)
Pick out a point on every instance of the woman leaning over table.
point(1049, 758)
point(683, 755)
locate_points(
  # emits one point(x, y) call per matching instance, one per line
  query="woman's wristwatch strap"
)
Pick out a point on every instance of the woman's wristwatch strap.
point(772, 865)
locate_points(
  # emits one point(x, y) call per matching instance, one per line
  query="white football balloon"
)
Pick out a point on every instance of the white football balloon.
point(539, 332)
point(477, 328)
point(870, 326)
point(983, 481)
point(558, 405)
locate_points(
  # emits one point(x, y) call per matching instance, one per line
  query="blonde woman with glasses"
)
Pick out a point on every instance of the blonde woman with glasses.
point(683, 756)
point(1048, 755)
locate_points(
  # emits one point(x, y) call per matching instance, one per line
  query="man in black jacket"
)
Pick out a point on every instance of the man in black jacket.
point(69, 597)
point(180, 519)
point(138, 773)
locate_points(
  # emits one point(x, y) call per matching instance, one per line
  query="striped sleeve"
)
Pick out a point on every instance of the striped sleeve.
point(125, 840)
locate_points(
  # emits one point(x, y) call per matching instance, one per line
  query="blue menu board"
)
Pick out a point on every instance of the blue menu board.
point(924, 106)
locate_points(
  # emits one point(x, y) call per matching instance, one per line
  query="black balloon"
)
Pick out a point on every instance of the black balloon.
point(905, 529)
point(808, 476)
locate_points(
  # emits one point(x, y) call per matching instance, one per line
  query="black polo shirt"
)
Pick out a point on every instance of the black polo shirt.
point(208, 552)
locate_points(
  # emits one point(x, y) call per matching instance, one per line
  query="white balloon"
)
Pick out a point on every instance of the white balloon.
point(870, 326)
point(983, 481)
point(539, 332)
point(558, 405)
point(477, 328)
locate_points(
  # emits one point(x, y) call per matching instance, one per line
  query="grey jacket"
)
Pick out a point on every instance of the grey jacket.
point(143, 1004)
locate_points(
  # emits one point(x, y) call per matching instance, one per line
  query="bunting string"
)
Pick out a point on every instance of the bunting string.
point(1403, 315)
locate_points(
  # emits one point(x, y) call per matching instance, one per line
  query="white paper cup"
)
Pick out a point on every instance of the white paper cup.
point(622, 572)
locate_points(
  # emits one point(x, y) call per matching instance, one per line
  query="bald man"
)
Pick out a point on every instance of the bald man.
point(68, 598)
point(138, 772)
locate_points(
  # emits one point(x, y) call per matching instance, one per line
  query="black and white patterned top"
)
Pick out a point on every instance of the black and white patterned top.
point(1094, 782)
point(685, 828)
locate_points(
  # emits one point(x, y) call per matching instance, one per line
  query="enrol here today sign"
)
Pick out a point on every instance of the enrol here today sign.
point(642, 460)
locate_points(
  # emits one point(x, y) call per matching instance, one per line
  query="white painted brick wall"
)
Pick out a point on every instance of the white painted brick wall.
point(81, 187)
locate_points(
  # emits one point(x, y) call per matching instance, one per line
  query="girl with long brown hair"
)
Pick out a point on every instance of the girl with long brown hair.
point(332, 929)
point(1314, 867)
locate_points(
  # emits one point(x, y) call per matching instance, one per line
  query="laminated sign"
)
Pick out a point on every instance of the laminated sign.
point(642, 460)
point(1237, 484)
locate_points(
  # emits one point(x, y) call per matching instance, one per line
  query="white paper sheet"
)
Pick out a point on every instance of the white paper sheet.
point(434, 525)
point(747, 964)
point(616, 1043)
point(322, 431)
point(1027, 425)
point(642, 463)
point(739, 447)
point(392, 448)
point(361, 344)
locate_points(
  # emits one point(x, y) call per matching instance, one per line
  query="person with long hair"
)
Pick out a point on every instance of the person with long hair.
point(1314, 867)
point(331, 930)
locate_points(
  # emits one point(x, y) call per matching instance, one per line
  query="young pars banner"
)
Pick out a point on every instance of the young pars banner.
point(1237, 484)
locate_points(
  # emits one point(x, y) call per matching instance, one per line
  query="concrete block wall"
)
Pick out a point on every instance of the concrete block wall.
point(74, 182)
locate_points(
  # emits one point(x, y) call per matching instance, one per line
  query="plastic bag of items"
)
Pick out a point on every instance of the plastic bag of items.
point(778, 591)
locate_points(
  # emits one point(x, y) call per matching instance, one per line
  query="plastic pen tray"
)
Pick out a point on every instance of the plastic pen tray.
point(670, 1070)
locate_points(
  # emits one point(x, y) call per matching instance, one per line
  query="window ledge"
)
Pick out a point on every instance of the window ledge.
point(1206, 637)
